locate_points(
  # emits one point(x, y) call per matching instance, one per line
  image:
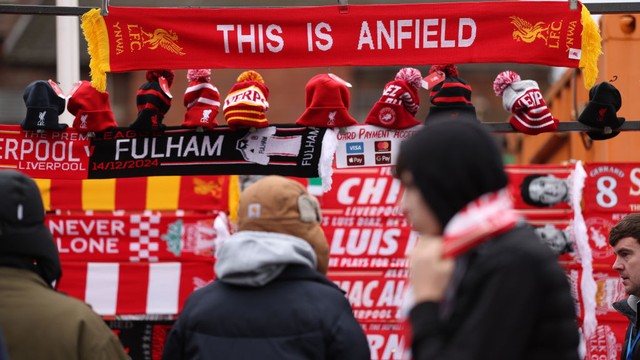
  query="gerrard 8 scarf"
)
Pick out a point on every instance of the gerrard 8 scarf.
point(541, 32)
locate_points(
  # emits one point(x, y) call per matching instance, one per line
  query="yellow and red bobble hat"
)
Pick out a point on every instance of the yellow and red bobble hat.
point(247, 102)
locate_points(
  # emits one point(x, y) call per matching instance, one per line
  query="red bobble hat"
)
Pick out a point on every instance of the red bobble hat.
point(201, 99)
point(399, 102)
point(153, 100)
point(91, 108)
point(327, 102)
point(524, 100)
point(247, 102)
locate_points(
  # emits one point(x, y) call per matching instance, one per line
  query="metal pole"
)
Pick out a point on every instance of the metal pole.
point(67, 52)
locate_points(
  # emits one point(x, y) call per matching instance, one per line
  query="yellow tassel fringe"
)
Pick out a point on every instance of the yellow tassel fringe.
point(591, 48)
point(95, 32)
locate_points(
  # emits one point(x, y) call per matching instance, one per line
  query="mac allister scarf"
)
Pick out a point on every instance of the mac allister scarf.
point(540, 32)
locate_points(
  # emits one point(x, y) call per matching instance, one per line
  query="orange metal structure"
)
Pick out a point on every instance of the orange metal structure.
point(568, 97)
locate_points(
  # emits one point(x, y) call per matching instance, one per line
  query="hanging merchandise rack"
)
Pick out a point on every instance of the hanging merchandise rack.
point(499, 127)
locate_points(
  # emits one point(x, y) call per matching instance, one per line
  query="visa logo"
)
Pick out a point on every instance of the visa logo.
point(355, 148)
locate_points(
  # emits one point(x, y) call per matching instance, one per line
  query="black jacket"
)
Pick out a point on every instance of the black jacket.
point(623, 307)
point(300, 315)
point(513, 302)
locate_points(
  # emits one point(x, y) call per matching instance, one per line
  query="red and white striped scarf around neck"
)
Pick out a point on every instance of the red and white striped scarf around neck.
point(489, 215)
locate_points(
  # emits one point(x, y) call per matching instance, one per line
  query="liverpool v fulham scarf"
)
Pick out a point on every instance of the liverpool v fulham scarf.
point(123, 153)
point(540, 32)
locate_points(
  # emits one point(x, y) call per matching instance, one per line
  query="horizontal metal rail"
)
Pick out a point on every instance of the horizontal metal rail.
point(613, 8)
point(44, 10)
point(594, 8)
point(565, 126)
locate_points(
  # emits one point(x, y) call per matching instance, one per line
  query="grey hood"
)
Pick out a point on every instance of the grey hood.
point(254, 258)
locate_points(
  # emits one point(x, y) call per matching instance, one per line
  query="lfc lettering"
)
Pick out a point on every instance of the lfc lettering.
point(256, 37)
point(169, 147)
point(365, 241)
point(87, 236)
point(90, 245)
point(389, 348)
point(79, 227)
point(367, 294)
point(530, 99)
point(369, 191)
point(42, 150)
point(309, 148)
point(416, 33)
point(393, 34)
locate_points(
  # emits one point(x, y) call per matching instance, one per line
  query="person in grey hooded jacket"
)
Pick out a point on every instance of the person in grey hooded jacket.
point(271, 299)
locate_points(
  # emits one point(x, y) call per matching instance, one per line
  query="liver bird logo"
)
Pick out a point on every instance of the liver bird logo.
point(167, 40)
point(203, 187)
point(528, 33)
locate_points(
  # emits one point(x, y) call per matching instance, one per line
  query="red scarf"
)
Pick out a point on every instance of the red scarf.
point(490, 215)
point(541, 32)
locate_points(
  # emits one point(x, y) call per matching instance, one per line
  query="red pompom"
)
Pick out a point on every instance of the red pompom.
point(503, 80)
point(411, 76)
point(202, 75)
point(449, 70)
point(153, 75)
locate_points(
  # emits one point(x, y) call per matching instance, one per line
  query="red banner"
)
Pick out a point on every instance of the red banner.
point(545, 32)
point(368, 242)
point(540, 189)
point(142, 339)
point(134, 288)
point(613, 187)
point(606, 342)
point(558, 235)
point(148, 237)
point(599, 225)
point(366, 192)
point(55, 154)
point(374, 295)
point(609, 290)
point(386, 341)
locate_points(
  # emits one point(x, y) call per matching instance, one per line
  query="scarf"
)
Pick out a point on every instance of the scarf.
point(541, 32)
point(286, 150)
point(484, 218)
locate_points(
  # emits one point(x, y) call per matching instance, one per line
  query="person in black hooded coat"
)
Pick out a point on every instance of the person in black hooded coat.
point(271, 299)
point(484, 286)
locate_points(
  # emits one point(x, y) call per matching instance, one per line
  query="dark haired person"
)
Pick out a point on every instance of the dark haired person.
point(484, 286)
point(624, 237)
